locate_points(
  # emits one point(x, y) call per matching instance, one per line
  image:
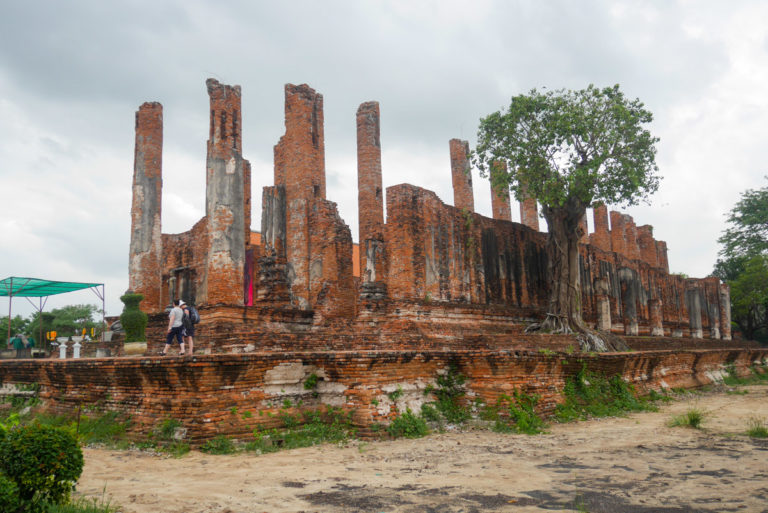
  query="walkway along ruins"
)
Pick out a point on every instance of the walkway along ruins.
point(432, 285)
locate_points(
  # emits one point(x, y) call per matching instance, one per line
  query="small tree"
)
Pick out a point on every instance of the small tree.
point(570, 150)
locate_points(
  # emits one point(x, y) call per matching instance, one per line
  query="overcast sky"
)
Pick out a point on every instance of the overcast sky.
point(72, 75)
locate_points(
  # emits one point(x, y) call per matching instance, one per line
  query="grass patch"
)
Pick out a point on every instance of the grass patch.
point(758, 375)
point(219, 445)
point(693, 418)
point(84, 505)
point(757, 428)
point(313, 428)
point(589, 394)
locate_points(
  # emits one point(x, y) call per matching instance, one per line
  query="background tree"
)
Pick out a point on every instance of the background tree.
point(743, 263)
point(18, 325)
point(570, 150)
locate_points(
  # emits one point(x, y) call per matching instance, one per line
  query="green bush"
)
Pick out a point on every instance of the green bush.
point(44, 461)
point(408, 425)
point(134, 321)
point(9, 494)
point(590, 394)
point(219, 445)
point(520, 415)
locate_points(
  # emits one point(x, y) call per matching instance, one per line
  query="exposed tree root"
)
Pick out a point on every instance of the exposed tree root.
point(589, 340)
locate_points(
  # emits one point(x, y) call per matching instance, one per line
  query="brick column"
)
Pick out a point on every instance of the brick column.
point(370, 202)
point(647, 245)
point(617, 233)
point(146, 248)
point(632, 248)
point(601, 237)
point(656, 317)
point(463, 198)
point(500, 197)
point(300, 167)
point(225, 199)
point(661, 255)
point(603, 303)
point(725, 311)
point(529, 216)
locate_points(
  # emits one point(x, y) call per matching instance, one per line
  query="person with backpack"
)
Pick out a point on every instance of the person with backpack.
point(191, 317)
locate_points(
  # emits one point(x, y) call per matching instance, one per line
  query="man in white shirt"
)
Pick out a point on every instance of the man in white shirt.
point(174, 328)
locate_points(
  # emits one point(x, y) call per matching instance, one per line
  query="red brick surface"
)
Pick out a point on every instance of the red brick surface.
point(463, 196)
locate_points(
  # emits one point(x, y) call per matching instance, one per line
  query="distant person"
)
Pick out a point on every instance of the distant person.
point(30, 344)
point(188, 322)
point(174, 328)
point(18, 344)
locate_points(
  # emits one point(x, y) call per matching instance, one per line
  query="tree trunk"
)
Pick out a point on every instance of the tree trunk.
point(564, 311)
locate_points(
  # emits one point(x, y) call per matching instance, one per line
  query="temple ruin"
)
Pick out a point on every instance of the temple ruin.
point(426, 262)
point(297, 317)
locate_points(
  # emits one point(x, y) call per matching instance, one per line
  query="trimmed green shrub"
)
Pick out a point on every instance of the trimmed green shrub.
point(134, 321)
point(44, 461)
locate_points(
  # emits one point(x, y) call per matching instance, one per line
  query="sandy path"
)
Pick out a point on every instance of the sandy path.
point(632, 464)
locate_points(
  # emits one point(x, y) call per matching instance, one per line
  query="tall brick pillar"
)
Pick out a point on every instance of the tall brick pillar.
point(647, 245)
point(300, 168)
point(500, 196)
point(601, 236)
point(370, 202)
point(618, 233)
point(146, 249)
point(463, 197)
point(655, 312)
point(725, 311)
point(603, 303)
point(661, 255)
point(529, 215)
point(693, 302)
point(632, 248)
point(225, 199)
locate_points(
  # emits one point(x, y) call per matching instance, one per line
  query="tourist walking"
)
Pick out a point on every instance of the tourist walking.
point(174, 328)
point(191, 317)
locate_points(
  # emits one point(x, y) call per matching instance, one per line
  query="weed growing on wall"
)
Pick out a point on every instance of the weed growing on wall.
point(309, 428)
point(408, 425)
point(590, 394)
point(516, 414)
point(759, 375)
point(219, 445)
point(450, 392)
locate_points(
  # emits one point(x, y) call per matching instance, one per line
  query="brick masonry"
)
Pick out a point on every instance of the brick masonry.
point(204, 392)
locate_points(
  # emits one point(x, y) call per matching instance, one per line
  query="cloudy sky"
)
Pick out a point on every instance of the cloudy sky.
point(72, 75)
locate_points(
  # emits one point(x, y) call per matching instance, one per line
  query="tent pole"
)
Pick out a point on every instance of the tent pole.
point(40, 318)
point(10, 302)
point(103, 312)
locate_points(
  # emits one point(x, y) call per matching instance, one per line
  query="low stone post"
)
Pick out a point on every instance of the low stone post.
point(76, 349)
point(62, 350)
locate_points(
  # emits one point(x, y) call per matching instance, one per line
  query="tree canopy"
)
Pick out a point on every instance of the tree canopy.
point(589, 145)
point(747, 231)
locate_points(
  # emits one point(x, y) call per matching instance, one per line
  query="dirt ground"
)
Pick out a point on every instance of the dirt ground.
point(632, 464)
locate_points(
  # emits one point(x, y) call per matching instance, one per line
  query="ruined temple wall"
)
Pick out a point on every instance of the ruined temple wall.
point(183, 263)
point(202, 394)
point(440, 253)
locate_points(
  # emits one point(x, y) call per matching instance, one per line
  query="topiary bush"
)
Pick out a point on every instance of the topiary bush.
point(44, 462)
point(134, 321)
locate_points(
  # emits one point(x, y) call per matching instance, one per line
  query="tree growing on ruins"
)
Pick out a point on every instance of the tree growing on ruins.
point(570, 150)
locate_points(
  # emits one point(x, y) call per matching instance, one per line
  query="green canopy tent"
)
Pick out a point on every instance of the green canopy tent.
point(34, 287)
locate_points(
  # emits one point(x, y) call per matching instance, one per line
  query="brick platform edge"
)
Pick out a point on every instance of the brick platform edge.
point(210, 394)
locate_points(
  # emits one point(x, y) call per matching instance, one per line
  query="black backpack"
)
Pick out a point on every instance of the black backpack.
point(193, 315)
